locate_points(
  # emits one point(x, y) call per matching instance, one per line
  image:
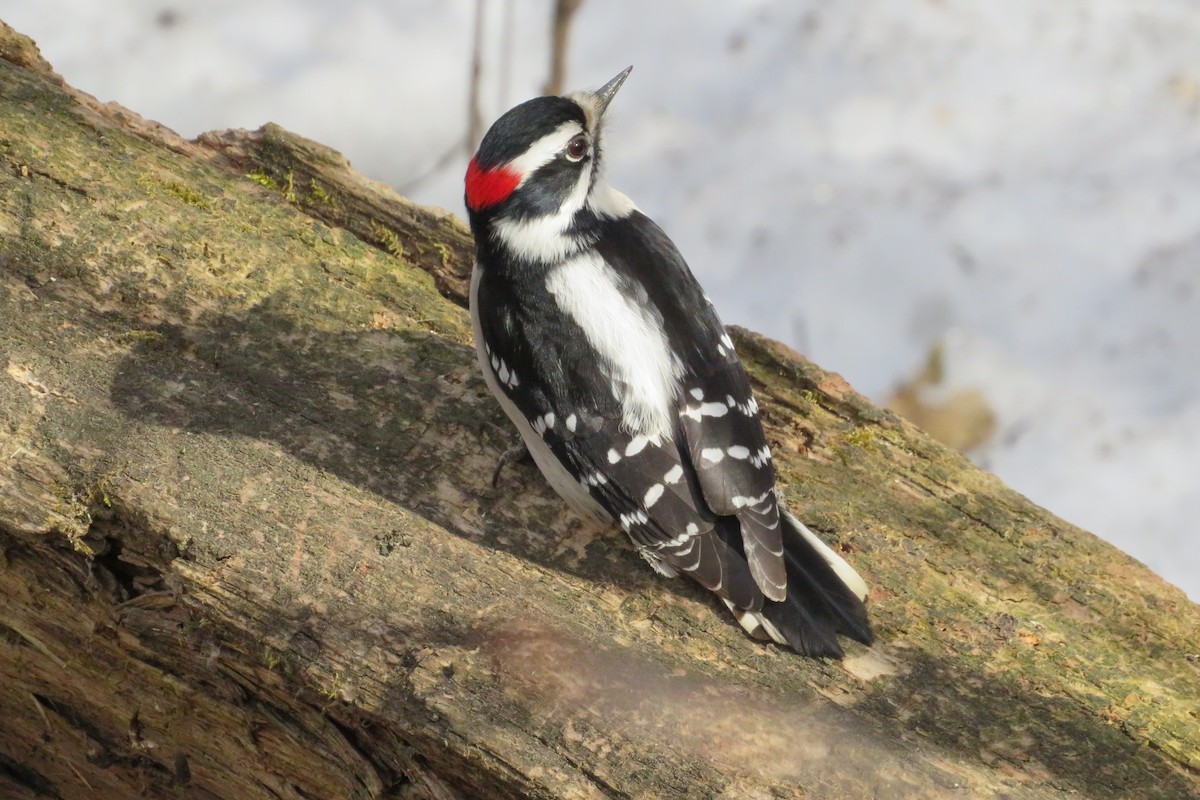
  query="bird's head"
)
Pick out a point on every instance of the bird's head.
point(534, 188)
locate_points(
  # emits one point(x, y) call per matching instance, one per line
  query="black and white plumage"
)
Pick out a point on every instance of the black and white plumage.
point(603, 349)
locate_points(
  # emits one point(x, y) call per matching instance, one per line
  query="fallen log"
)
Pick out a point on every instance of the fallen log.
point(249, 546)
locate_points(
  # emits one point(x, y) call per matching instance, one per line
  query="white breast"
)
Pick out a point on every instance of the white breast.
point(627, 335)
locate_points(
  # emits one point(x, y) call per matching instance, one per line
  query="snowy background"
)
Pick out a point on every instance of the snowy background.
point(1016, 182)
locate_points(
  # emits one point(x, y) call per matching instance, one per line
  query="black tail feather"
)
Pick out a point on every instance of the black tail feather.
point(819, 604)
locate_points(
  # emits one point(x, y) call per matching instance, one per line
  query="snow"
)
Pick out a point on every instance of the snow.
point(861, 179)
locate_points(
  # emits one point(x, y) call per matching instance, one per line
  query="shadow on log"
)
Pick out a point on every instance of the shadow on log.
point(248, 546)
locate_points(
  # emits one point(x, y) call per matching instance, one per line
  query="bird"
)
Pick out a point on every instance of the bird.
point(604, 351)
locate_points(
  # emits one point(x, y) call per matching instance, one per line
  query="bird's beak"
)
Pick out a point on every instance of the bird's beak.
point(608, 91)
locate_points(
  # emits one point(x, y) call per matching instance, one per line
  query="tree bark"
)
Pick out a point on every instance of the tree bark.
point(249, 549)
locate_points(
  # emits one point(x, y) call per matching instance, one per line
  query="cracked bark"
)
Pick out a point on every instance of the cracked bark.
point(248, 545)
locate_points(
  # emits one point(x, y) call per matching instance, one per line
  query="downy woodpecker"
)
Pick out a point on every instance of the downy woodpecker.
point(604, 351)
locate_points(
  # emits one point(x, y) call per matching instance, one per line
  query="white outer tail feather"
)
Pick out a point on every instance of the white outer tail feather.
point(758, 626)
point(852, 579)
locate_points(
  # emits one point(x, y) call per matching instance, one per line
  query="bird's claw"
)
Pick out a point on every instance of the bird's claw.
point(519, 452)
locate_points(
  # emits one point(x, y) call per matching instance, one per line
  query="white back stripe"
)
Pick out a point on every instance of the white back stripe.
point(628, 339)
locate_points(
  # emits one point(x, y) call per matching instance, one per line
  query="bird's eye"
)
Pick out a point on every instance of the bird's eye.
point(577, 148)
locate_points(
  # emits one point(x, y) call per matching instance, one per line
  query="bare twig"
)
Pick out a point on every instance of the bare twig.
point(564, 10)
point(474, 113)
point(504, 83)
point(411, 185)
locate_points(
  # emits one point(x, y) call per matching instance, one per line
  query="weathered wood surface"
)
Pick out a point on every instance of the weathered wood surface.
point(248, 547)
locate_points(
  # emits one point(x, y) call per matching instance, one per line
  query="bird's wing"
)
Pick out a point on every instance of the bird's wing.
point(719, 418)
point(718, 415)
point(646, 483)
point(648, 487)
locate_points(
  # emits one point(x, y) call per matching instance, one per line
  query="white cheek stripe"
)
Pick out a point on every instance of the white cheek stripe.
point(545, 238)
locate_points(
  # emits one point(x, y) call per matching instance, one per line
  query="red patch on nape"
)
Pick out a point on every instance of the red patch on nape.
point(488, 187)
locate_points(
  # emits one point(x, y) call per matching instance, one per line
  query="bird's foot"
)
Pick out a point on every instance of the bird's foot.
point(518, 453)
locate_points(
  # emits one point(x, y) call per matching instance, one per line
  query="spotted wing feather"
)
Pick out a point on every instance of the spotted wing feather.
point(717, 412)
point(646, 487)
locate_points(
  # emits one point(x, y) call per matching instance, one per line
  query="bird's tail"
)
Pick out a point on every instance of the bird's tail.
point(825, 597)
